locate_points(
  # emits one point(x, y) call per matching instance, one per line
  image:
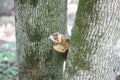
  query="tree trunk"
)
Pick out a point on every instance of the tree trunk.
point(95, 42)
point(35, 21)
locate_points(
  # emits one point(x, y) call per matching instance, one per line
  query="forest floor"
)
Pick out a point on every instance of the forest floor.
point(8, 64)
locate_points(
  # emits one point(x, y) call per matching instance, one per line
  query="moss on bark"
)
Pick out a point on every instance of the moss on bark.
point(35, 21)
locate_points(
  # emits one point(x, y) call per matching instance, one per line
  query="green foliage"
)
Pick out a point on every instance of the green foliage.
point(8, 69)
point(9, 45)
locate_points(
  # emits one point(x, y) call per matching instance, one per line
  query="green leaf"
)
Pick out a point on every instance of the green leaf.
point(8, 77)
point(9, 45)
point(11, 70)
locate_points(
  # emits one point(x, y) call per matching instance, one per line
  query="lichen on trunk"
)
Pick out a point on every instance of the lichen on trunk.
point(35, 21)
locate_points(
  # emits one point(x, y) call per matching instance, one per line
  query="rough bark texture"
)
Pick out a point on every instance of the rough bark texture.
point(95, 42)
point(35, 21)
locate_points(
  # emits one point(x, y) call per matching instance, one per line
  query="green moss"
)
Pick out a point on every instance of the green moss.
point(80, 46)
point(34, 3)
point(34, 26)
point(23, 1)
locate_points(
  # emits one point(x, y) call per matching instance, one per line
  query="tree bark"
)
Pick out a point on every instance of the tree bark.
point(95, 42)
point(35, 21)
